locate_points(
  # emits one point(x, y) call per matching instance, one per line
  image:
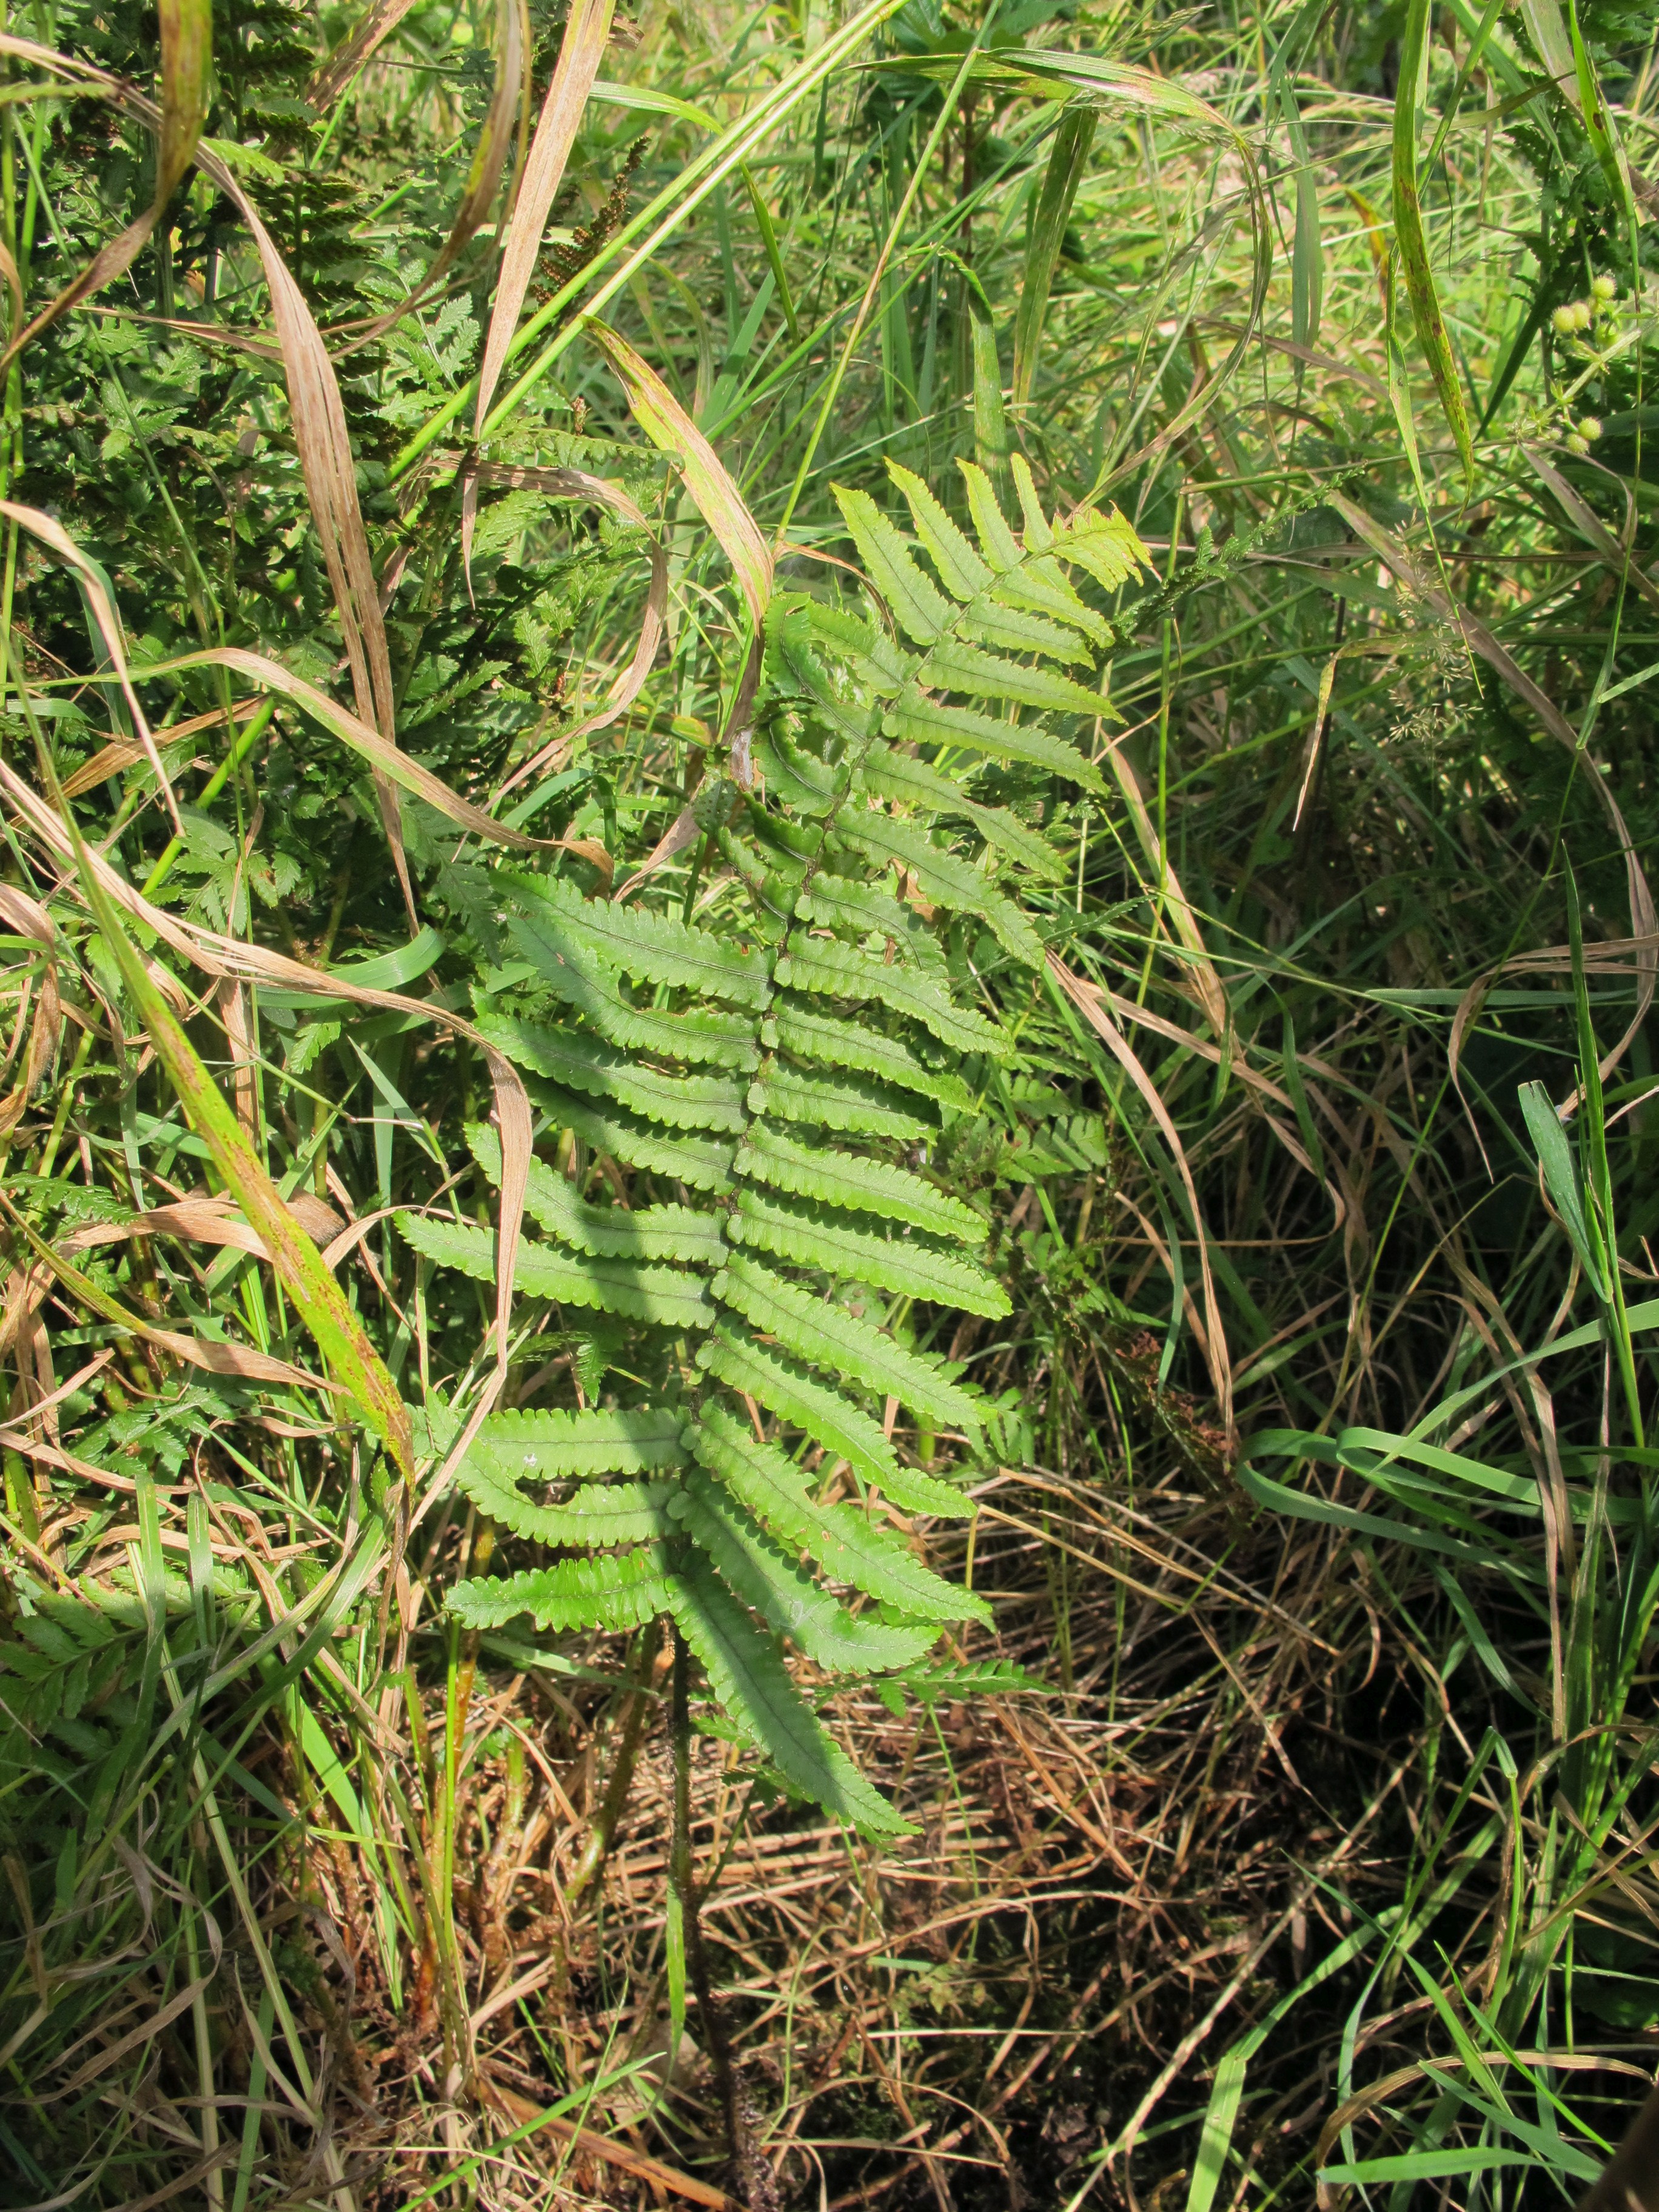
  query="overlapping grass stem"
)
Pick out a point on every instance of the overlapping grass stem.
point(827, 1102)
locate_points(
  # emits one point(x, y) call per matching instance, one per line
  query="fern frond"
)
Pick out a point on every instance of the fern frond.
point(810, 1237)
point(556, 1446)
point(863, 1186)
point(828, 1002)
point(918, 721)
point(828, 969)
point(653, 948)
point(829, 1337)
point(752, 1684)
point(942, 877)
point(861, 910)
point(858, 1107)
point(844, 1430)
point(602, 1514)
point(705, 1037)
point(702, 1166)
point(765, 1576)
point(903, 777)
point(660, 1295)
point(613, 1589)
point(845, 1542)
point(656, 1233)
point(582, 1063)
point(815, 1036)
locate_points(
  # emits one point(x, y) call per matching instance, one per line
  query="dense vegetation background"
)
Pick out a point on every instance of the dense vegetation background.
point(1283, 1832)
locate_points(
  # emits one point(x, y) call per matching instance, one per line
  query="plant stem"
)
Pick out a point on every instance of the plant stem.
point(750, 2172)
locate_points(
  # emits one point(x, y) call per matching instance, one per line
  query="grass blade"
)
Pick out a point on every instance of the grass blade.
point(1412, 243)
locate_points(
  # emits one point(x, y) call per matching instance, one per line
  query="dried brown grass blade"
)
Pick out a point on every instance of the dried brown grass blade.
point(186, 28)
point(586, 32)
point(53, 533)
point(484, 179)
point(668, 426)
point(234, 1359)
point(1090, 1002)
point(344, 64)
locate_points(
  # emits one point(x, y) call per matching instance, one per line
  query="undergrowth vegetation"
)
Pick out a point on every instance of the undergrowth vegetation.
point(829, 1166)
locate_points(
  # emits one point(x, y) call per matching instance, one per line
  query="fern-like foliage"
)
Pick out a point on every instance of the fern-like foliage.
point(788, 1062)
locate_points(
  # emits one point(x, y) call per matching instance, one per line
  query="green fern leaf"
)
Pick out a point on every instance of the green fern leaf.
point(681, 1102)
point(656, 1233)
point(820, 965)
point(954, 666)
point(650, 947)
point(603, 1514)
point(845, 1543)
point(554, 1446)
point(911, 783)
point(841, 903)
point(765, 1576)
point(843, 1430)
point(702, 1166)
point(811, 1036)
point(997, 542)
point(919, 610)
point(937, 722)
point(809, 1237)
point(858, 1107)
point(829, 1337)
point(861, 1185)
point(941, 876)
point(659, 1295)
point(704, 1035)
point(752, 1684)
point(963, 574)
point(613, 1589)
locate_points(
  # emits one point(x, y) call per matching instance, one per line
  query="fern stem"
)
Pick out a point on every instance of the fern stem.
point(749, 2171)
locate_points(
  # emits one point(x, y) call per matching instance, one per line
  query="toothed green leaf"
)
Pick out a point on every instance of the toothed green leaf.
point(574, 1446)
point(864, 1186)
point(833, 970)
point(765, 1576)
point(936, 722)
point(859, 1107)
point(824, 1416)
point(600, 1514)
point(703, 1035)
point(703, 1166)
point(613, 1589)
point(963, 574)
point(954, 666)
point(751, 1682)
point(912, 782)
point(650, 947)
point(945, 878)
point(810, 1035)
point(659, 1295)
point(845, 1542)
point(919, 607)
point(656, 1233)
point(810, 1237)
point(841, 903)
point(582, 1063)
point(829, 1337)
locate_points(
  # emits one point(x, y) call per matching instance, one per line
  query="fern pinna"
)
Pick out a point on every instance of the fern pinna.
point(786, 1063)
